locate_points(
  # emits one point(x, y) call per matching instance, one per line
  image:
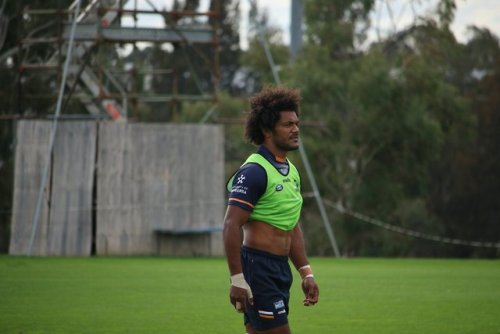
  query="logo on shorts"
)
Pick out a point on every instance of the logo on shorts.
point(279, 187)
point(279, 304)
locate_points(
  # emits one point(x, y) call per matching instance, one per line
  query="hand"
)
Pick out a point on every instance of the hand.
point(240, 292)
point(239, 298)
point(311, 291)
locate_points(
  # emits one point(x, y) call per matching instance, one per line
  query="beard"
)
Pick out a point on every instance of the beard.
point(286, 146)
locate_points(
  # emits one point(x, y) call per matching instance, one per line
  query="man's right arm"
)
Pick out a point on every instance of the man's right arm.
point(240, 292)
point(235, 218)
point(249, 183)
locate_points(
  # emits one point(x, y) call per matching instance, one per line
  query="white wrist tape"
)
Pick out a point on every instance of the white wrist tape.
point(307, 266)
point(305, 272)
point(238, 280)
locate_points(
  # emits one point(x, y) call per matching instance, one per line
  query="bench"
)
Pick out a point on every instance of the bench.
point(186, 241)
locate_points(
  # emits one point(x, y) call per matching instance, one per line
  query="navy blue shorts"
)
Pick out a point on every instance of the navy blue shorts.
point(270, 278)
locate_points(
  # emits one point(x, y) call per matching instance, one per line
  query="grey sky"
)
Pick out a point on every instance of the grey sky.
point(482, 13)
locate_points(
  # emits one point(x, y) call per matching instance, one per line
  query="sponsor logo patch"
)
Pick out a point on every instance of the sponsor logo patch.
point(279, 304)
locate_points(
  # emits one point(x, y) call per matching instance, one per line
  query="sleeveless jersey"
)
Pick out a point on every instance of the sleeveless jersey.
point(281, 203)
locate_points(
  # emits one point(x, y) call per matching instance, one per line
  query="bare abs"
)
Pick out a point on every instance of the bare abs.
point(265, 237)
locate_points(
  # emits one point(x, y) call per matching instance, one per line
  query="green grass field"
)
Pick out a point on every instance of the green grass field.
point(171, 295)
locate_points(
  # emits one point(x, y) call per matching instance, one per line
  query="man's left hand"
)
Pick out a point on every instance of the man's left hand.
point(311, 291)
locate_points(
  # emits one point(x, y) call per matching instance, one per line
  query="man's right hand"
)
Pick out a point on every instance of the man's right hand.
point(240, 293)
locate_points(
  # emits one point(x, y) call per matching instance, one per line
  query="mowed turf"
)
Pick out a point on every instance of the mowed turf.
point(172, 295)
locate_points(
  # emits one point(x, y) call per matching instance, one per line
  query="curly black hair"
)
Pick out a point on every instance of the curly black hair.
point(265, 108)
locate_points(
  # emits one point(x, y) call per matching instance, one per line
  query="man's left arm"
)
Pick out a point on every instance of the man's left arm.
point(299, 260)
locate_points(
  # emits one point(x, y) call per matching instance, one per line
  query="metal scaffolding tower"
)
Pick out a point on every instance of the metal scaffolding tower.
point(107, 91)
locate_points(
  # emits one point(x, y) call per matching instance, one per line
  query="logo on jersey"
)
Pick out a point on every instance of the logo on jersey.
point(279, 187)
point(241, 178)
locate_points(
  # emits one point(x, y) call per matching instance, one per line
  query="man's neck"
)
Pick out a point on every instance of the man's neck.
point(279, 155)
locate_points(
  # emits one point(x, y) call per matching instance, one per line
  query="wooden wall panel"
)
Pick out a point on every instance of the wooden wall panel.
point(148, 176)
point(157, 176)
point(65, 223)
point(32, 146)
point(70, 228)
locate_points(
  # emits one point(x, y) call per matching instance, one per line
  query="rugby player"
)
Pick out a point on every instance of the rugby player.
point(261, 229)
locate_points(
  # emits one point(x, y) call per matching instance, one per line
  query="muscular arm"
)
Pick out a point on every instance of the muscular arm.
point(299, 259)
point(297, 249)
point(235, 218)
point(240, 292)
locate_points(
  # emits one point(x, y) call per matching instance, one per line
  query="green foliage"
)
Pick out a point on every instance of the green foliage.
point(391, 115)
point(333, 24)
point(446, 11)
point(255, 57)
point(466, 181)
point(382, 141)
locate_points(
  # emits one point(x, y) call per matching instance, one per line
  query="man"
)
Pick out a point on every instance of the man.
point(265, 203)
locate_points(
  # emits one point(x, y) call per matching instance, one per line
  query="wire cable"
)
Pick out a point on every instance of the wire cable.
point(345, 211)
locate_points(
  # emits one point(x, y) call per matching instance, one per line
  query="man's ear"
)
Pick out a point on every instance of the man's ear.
point(267, 133)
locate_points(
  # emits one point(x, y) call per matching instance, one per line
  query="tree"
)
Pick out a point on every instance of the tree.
point(256, 69)
point(392, 115)
point(337, 25)
point(466, 181)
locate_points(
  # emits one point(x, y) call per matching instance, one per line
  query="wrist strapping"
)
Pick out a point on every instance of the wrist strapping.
point(305, 272)
point(238, 280)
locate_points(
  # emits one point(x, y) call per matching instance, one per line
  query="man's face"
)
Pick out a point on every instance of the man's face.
point(285, 135)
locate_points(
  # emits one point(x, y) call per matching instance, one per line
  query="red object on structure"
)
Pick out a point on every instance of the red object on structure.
point(112, 111)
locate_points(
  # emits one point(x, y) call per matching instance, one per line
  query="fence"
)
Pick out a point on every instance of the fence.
point(120, 189)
